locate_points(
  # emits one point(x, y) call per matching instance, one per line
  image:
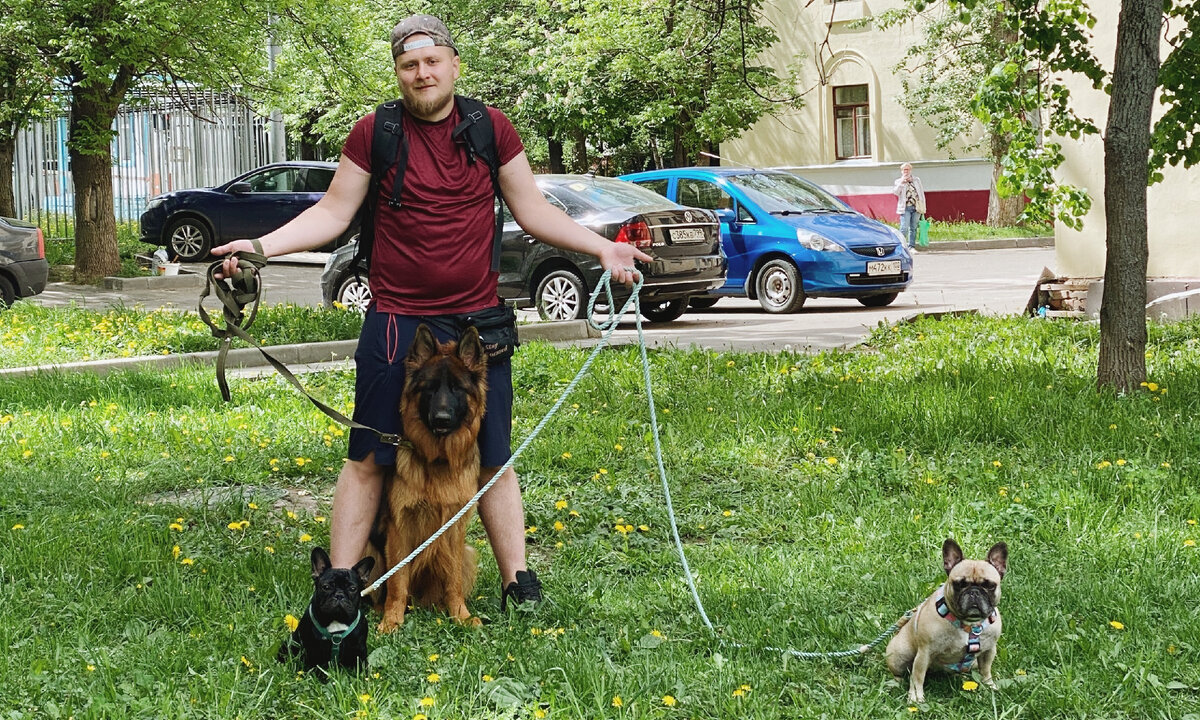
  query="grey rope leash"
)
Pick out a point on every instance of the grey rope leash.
point(611, 326)
point(608, 327)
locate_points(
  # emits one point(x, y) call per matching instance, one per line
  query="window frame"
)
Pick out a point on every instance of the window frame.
point(855, 118)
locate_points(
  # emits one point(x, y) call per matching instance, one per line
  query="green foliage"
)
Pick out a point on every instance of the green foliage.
point(1174, 138)
point(637, 81)
point(160, 540)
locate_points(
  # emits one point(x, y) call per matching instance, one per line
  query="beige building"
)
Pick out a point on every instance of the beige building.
point(852, 134)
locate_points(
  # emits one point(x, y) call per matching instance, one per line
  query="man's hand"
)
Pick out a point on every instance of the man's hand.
point(229, 265)
point(618, 258)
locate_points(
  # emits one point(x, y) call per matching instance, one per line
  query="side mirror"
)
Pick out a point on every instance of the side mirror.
point(727, 215)
point(239, 188)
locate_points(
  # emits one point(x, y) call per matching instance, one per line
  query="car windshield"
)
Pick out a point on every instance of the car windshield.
point(781, 194)
point(582, 194)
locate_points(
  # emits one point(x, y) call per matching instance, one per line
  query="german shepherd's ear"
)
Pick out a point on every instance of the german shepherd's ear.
point(424, 345)
point(470, 347)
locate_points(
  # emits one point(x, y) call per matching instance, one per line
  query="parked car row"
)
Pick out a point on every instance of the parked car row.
point(684, 243)
point(23, 266)
point(714, 232)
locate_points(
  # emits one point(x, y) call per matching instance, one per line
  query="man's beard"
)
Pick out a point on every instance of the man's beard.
point(427, 106)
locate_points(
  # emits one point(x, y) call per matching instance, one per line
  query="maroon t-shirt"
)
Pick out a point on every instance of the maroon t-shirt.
point(434, 254)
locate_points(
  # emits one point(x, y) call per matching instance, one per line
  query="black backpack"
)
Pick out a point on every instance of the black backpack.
point(389, 147)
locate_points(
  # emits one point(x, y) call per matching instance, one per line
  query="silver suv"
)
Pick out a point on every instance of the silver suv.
point(23, 266)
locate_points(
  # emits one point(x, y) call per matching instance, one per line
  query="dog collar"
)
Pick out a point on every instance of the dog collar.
point(973, 631)
point(335, 638)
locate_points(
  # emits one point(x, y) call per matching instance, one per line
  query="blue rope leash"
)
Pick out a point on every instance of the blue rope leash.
point(607, 328)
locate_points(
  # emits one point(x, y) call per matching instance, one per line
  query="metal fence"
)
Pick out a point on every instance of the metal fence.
point(160, 144)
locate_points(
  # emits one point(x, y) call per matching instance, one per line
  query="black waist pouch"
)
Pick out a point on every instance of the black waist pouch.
point(497, 327)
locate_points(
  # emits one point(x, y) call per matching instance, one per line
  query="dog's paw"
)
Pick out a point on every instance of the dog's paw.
point(990, 683)
point(469, 621)
point(916, 695)
point(388, 625)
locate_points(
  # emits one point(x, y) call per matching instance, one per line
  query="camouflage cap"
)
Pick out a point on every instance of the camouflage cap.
point(435, 30)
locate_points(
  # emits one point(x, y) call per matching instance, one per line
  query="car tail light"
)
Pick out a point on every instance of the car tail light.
point(636, 234)
point(41, 244)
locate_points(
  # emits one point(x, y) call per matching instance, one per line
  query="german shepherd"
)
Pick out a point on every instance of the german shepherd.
point(444, 398)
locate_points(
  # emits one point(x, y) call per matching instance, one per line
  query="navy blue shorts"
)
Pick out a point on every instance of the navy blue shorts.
point(379, 382)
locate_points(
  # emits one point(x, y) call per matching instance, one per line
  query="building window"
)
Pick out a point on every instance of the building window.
point(852, 121)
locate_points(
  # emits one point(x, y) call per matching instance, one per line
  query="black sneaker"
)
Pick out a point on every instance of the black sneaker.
point(527, 587)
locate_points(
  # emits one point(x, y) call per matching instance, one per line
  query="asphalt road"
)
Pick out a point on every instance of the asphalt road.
point(995, 281)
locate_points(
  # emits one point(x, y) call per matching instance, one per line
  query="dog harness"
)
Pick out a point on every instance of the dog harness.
point(973, 632)
point(335, 637)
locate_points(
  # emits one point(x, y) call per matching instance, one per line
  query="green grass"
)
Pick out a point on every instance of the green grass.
point(940, 231)
point(35, 335)
point(812, 492)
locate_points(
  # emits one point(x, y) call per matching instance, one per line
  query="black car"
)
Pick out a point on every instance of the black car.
point(684, 242)
point(23, 266)
point(189, 223)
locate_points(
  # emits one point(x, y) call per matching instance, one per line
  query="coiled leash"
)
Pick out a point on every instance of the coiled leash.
point(244, 288)
point(607, 328)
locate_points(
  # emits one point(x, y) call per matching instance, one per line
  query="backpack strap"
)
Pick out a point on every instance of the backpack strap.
point(389, 147)
point(475, 132)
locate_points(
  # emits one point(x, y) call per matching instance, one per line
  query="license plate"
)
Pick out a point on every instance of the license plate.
point(686, 235)
point(884, 267)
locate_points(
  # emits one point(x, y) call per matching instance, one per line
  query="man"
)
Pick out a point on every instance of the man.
point(432, 256)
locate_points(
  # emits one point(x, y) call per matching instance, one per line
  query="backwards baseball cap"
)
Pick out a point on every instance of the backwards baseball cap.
point(435, 31)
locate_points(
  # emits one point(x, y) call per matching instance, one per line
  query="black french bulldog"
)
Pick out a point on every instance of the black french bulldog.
point(333, 630)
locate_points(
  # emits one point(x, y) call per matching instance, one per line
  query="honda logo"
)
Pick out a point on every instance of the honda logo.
point(880, 251)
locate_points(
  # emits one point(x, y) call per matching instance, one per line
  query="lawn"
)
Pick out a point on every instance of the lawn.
point(156, 539)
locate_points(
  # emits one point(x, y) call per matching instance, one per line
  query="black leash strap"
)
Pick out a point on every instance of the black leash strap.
point(244, 288)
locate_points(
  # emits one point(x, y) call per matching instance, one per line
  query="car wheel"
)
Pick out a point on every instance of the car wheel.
point(703, 301)
point(779, 288)
point(561, 296)
point(354, 293)
point(665, 310)
point(879, 300)
point(188, 240)
point(8, 293)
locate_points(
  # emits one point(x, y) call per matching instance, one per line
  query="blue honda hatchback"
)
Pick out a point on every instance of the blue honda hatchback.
point(788, 239)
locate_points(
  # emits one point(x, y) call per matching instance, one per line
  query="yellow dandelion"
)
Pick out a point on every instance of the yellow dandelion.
point(574, 513)
point(291, 622)
point(175, 552)
point(427, 701)
point(668, 700)
point(229, 458)
point(237, 525)
point(729, 364)
point(488, 678)
point(1112, 427)
point(558, 526)
point(970, 685)
point(252, 506)
point(305, 537)
point(18, 526)
point(912, 708)
point(1116, 624)
point(997, 463)
point(831, 461)
point(603, 471)
point(434, 657)
point(567, 455)
point(644, 528)
point(1121, 461)
point(247, 663)
point(1191, 521)
point(187, 561)
point(560, 505)
point(618, 447)
point(539, 713)
point(739, 693)
point(91, 668)
point(656, 633)
point(420, 716)
point(1152, 387)
point(176, 527)
point(617, 701)
point(1103, 464)
point(433, 677)
point(727, 513)
point(1189, 543)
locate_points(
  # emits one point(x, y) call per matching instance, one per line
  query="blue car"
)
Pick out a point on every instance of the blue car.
point(788, 239)
point(190, 223)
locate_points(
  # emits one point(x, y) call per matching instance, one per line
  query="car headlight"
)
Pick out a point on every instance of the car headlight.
point(813, 241)
point(895, 234)
point(154, 202)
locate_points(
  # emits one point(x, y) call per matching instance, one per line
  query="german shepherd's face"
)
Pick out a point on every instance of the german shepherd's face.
point(444, 392)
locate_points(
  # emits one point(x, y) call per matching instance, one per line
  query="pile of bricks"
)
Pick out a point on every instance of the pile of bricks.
point(1062, 297)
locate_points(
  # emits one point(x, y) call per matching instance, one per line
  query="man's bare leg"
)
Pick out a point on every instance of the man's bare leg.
point(503, 517)
point(355, 503)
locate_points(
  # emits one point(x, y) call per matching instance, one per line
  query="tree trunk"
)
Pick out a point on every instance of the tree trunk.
point(93, 110)
point(1122, 363)
point(580, 161)
point(555, 149)
point(8, 154)
point(1002, 211)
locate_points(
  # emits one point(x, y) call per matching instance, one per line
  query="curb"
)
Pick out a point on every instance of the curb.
point(988, 244)
point(299, 354)
point(185, 279)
